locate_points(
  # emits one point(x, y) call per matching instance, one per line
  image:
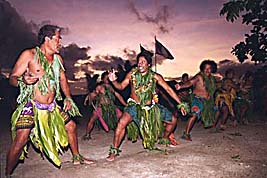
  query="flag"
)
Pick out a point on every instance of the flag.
point(142, 49)
point(162, 50)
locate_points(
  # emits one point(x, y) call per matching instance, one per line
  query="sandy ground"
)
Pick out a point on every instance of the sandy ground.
point(236, 152)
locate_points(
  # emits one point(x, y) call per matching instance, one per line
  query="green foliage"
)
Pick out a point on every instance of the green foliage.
point(254, 14)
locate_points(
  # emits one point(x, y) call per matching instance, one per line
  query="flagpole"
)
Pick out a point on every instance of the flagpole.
point(155, 56)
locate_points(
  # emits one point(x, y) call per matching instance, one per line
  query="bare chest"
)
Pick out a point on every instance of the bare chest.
point(36, 69)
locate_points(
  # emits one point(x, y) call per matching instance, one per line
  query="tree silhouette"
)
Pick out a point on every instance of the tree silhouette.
point(254, 14)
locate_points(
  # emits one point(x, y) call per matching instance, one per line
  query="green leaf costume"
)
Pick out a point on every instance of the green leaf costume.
point(208, 113)
point(48, 134)
point(150, 124)
point(109, 108)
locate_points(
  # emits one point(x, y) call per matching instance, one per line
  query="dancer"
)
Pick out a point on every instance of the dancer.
point(202, 103)
point(104, 108)
point(39, 73)
point(142, 108)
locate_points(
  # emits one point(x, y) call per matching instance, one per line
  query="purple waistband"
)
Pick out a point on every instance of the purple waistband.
point(49, 107)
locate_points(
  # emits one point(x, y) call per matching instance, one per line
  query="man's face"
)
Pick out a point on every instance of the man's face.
point(105, 79)
point(142, 65)
point(185, 79)
point(55, 42)
point(100, 89)
point(207, 70)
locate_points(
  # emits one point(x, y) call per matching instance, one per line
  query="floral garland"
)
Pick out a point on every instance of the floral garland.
point(150, 124)
point(145, 86)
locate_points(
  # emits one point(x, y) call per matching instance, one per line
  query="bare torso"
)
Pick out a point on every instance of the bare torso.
point(35, 69)
point(199, 87)
point(228, 85)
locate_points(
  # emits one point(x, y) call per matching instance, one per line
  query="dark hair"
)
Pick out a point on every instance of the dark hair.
point(99, 83)
point(47, 31)
point(208, 62)
point(229, 71)
point(146, 55)
point(185, 75)
point(103, 75)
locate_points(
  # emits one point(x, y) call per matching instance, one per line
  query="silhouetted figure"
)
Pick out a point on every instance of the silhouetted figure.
point(225, 97)
point(245, 98)
point(127, 66)
point(103, 101)
point(91, 82)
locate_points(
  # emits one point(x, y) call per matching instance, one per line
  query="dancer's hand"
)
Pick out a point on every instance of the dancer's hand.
point(89, 98)
point(177, 86)
point(29, 78)
point(67, 105)
point(218, 75)
point(86, 100)
point(183, 111)
point(112, 75)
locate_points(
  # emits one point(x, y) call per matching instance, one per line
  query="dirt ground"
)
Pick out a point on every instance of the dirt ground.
point(234, 153)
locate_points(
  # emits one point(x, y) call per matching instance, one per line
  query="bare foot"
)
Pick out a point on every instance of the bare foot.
point(77, 160)
point(186, 136)
point(173, 141)
point(171, 145)
point(222, 127)
point(111, 157)
point(86, 137)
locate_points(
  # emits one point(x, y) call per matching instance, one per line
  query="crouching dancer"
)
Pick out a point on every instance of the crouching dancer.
point(39, 74)
point(142, 108)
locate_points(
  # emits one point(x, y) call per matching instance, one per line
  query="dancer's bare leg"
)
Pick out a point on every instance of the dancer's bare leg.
point(118, 113)
point(169, 127)
point(16, 149)
point(188, 127)
point(243, 111)
point(73, 142)
point(90, 125)
point(225, 112)
point(119, 133)
point(217, 118)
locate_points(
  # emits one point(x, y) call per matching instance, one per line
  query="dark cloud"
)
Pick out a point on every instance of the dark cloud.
point(35, 27)
point(15, 34)
point(160, 18)
point(239, 68)
point(129, 54)
point(102, 62)
point(71, 54)
point(106, 62)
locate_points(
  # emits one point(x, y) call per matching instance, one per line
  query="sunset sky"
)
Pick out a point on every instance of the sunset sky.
point(191, 29)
